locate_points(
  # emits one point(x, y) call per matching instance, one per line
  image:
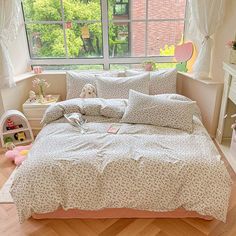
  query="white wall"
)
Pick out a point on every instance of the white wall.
point(225, 33)
point(13, 98)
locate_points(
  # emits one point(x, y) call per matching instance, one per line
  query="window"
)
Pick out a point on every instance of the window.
point(121, 7)
point(106, 32)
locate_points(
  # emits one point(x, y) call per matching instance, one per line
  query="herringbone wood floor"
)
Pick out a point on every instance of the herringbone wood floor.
point(9, 225)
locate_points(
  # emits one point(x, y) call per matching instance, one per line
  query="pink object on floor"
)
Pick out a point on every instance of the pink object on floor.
point(18, 154)
point(110, 213)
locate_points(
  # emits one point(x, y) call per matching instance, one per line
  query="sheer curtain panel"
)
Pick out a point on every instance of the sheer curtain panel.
point(205, 18)
point(9, 25)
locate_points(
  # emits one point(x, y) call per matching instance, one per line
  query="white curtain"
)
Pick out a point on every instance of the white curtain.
point(9, 25)
point(205, 18)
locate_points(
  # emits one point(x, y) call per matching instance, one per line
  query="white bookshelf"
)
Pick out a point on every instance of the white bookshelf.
point(19, 119)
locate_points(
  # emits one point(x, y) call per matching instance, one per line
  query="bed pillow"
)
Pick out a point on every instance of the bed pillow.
point(197, 111)
point(161, 81)
point(114, 87)
point(75, 81)
point(156, 110)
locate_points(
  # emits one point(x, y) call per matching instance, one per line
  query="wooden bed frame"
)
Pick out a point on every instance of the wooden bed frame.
point(110, 213)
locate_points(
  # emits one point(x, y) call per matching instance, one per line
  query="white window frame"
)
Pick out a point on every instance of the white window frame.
point(105, 60)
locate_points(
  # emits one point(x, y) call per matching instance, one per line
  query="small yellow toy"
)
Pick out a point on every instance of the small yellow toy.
point(20, 136)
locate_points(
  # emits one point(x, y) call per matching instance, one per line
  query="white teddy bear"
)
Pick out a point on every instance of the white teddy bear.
point(88, 91)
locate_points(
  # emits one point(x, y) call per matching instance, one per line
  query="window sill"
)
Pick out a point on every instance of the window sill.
point(53, 72)
point(29, 75)
point(24, 76)
point(208, 81)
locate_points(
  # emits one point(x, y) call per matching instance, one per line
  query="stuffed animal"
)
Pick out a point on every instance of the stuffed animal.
point(20, 136)
point(88, 91)
point(8, 141)
point(10, 124)
point(18, 154)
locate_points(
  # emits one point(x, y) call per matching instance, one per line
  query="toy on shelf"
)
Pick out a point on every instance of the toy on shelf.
point(20, 136)
point(10, 125)
point(8, 141)
point(14, 129)
point(18, 154)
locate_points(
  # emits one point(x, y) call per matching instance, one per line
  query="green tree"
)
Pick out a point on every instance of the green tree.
point(47, 39)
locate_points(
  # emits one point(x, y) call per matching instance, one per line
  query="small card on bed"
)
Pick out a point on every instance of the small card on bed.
point(113, 129)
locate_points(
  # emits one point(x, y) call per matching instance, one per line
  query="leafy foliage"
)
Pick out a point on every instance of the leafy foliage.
point(47, 39)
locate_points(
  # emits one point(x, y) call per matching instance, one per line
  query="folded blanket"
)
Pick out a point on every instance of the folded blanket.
point(111, 108)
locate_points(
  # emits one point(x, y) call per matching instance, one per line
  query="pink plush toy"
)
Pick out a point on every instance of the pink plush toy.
point(18, 154)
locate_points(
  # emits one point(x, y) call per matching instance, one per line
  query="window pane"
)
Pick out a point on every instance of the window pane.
point(118, 9)
point(127, 39)
point(168, 9)
point(41, 10)
point(138, 9)
point(127, 9)
point(163, 36)
point(123, 67)
point(119, 39)
point(137, 39)
point(75, 10)
point(73, 67)
point(46, 40)
point(84, 40)
point(128, 36)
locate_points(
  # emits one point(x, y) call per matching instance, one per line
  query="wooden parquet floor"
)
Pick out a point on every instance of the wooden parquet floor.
point(9, 225)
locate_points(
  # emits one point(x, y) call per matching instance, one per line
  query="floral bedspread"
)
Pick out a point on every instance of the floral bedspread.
point(141, 167)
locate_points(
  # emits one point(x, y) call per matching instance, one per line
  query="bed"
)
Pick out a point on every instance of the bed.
point(144, 170)
point(160, 163)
